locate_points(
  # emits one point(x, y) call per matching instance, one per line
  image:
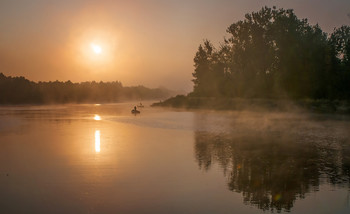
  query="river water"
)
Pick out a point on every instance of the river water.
point(103, 159)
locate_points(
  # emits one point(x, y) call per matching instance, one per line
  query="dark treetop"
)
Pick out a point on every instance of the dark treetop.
point(274, 54)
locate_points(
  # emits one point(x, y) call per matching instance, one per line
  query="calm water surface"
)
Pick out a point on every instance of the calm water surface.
point(103, 159)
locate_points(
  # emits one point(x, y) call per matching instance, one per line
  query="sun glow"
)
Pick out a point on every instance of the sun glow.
point(97, 117)
point(96, 48)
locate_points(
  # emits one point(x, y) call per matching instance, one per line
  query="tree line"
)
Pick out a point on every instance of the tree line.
point(19, 90)
point(274, 54)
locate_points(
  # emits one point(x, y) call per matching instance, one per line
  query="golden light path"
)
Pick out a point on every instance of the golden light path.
point(97, 117)
point(97, 141)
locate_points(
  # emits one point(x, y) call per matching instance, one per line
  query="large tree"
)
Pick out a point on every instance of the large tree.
point(339, 43)
point(273, 53)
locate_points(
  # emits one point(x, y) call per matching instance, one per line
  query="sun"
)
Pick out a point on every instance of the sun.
point(96, 48)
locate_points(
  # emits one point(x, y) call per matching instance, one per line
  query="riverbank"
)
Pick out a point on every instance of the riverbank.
point(321, 106)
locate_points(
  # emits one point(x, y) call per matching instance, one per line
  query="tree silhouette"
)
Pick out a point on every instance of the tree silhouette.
point(18, 90)
point(273, 54)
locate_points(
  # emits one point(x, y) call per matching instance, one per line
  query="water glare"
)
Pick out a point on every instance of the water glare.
point(97, 117)
point(97, 141)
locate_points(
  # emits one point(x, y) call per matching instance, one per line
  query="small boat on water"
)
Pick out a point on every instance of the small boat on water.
point(134, 111)
point(140, 105)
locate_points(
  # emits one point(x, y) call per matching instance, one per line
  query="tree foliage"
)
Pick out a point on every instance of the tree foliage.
point(18, 90)
point(274, 54)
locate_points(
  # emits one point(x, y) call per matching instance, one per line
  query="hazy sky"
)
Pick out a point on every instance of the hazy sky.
point(148, 42)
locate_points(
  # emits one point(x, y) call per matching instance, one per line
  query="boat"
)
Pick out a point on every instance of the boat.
point(134, 111)
point(140, 106)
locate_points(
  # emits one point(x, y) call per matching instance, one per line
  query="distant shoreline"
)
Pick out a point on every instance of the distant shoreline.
point(19, 91)
point(132, 102)
point(256, 104)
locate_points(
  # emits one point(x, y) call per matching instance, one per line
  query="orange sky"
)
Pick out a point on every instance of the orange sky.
point(148, 42)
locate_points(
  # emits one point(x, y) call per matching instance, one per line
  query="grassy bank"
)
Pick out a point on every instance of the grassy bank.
point(322, 106)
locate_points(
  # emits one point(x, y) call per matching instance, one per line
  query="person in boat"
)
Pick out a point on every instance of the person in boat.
point(135, 111)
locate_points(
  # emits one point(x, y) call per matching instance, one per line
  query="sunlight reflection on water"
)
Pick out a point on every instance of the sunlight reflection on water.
point(97, 117)
point(97, 141)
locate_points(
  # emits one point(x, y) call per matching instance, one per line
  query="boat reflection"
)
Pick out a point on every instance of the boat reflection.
point(97, 141)
point(274, 168)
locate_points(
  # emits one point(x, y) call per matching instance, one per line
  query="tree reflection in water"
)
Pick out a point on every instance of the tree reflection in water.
point(274, 166)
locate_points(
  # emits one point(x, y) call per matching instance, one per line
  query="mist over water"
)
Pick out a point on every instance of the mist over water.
point(103, 159)
point(275, 160)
